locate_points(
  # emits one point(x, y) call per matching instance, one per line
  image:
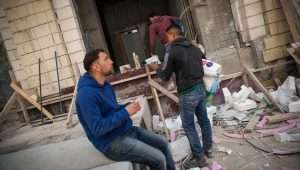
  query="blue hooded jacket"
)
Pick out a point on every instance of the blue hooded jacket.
point(101, 117)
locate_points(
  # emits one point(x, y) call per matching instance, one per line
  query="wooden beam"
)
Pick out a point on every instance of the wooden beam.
point(261, 87)
point(291, 51)
point(20, 101)
point(160, 111)
point(8, 104)
point(30, 100)
point(282, 117)
point(251, 124)
point(163, 90)
point(70, 111)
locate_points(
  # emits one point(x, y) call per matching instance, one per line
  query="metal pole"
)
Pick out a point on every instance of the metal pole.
point(41, 98)
point(58, 82)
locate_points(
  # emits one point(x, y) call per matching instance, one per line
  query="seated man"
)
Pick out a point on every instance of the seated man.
point(108, 125)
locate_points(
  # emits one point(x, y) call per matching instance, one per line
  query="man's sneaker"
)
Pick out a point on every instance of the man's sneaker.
point(195, 162)
point(209, 153)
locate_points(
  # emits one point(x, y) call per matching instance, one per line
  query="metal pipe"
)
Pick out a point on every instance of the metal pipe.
point(41, 98)
point(58, 82)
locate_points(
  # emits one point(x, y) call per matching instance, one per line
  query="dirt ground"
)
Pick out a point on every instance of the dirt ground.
point(243, 156)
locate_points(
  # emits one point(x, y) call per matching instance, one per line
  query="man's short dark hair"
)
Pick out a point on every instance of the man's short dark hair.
point(90, 57)
point(174, 28)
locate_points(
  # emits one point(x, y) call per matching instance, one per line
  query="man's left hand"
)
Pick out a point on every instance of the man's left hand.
point(154, 66)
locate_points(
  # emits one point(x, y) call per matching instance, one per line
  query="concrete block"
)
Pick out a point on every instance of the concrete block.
point(41, 18)
point(49, 65)
point(12, 55)
point(66, 73)
point(21, 24)
point(54, 27)
point(75, 46)
point(227, 96)
point(50, 15)
point(278, 27)
point(24, 84)
point(41, 5)
point(40, 31)
point(17, 65)
point(27, 47)
point(46, 41)
point(20, 75)
point(50, 89)
point(274, 16)
point(243, 94)
point(81, 68)
point(30, 8)
point(294, 107)
point(246, 105)
point(31, 58)
point(67, 82)
point(12, 26)
point(64, 61)
point(246, 2)
point(72, 35)
point(20, 50)
point(271, 4)
point(10, 44)
point(14, 3)
point(3, 23)
point(277, 40)
point(255, 21)
point(253, 9)
point(21, 37)
point(49, 52)
point(61, 3)
point(2, 13)
point(36, 45)
point(77, 57)
point(58, 39)
point(6, 34)
point(68, 24)
point(257, 32)
point(275, 53)
point(65, 12)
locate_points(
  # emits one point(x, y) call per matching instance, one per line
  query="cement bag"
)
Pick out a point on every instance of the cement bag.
point(211, 68)
point(211, 84)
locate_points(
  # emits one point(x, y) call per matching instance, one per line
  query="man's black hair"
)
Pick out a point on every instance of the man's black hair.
point(176, 27)
point(90, 57)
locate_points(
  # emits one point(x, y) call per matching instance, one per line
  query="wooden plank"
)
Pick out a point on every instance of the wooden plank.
point(163, 90)
point(160, 111)
point(70, 111)
point(281, 117)
point(30, 100)
point(20, 101)
point(22, 105)
point(251, 124)
point(8, 104)
point(261, 87)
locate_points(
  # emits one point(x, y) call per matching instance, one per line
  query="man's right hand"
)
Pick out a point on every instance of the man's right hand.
point(133, 108)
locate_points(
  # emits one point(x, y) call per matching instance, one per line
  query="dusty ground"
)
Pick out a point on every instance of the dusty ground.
point(243, 156)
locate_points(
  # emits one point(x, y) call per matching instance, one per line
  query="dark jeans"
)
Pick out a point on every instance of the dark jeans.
point(141, 146)
point(190, 104)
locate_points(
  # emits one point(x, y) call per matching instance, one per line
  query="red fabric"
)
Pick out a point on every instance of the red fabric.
point(158, 28)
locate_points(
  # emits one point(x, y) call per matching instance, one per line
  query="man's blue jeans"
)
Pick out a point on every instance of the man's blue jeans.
point(141, 146)
point(190, 104)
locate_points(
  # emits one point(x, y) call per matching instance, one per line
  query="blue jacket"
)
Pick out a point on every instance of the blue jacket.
point(101, 117)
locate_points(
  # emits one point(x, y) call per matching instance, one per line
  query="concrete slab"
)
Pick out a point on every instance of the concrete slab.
point(75, 154)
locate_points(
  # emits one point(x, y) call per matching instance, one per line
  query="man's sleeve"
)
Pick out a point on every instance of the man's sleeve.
point(167, 69)
point(91, 113)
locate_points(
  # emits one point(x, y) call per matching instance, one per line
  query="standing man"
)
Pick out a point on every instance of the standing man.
point(185, 61)
point(157, 28)
point(108, 125)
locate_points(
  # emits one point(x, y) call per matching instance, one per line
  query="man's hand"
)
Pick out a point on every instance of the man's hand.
point(154, 66)
point(132, 108)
